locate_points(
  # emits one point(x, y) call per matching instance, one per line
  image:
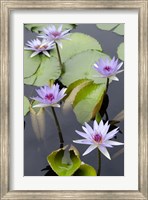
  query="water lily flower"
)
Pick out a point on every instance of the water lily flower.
point(108, 68)
point(39, 46)
point(98, 137)
point(52, 33)
point(49, 96)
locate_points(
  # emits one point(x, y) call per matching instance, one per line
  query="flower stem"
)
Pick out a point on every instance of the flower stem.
point(58, 128)
point(59, 57)
point(99, 163)
point(107, 84)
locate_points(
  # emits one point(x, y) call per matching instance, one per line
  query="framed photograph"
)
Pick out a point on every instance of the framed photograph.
point(74, 99)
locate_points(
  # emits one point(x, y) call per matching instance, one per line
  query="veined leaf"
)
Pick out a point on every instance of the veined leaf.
point(119, 29)
point(80, 66)
point(88, 101)
point(106, 26)
point(114, 27)
point(72, 91)
point(64, 163)
point(30, 64)
point(78, 42)
point(49, 69)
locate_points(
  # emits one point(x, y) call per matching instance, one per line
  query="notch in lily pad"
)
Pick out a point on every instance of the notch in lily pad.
point(64, 162)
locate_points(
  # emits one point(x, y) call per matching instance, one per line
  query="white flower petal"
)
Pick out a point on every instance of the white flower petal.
point(55, 105)
point(83, 141)
point(120, 71)
point(41, 105)
point(114, 78)
point(111, 134)
point(90, 148)
point(46, 53)
point(89, 129)
point(34, 54)
point(104, 151)
point(82, 134)
point(120, 65)
point(110, 142)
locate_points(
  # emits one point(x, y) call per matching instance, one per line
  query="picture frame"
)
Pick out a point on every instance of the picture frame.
point(6, 7)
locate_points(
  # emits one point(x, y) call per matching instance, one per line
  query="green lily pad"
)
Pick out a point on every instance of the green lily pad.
point(120, 51)
point(114, 27)
point(49, 69)
point(119, 29)
point(26, 105)
point(78, 42)
point(64, 163)
point(106, 26)
point(72, 91)
point(88, 101)
point(30, 64)
point(85, 170)
point(37, 28)
point(80, 66)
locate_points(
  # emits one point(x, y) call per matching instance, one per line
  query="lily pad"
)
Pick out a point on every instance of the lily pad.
point(120, 51)
point(119, 29)
point(85, 170)
point(64, 163)
point(88, 101)
point(37, 28)
point(114, 27)
point(80, 66)
point(78, 42)
point(30, 64)
point(26, 105)
point(49, 69)
point(106, 26)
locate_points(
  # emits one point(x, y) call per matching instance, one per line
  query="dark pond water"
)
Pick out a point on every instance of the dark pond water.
point(36, 151)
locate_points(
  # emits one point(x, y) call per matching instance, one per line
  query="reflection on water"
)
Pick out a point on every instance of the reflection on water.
point(40, 135)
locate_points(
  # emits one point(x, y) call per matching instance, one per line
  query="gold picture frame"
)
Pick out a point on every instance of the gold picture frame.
point(142, 7)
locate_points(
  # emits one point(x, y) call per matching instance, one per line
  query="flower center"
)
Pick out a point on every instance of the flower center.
point(41, 47)
point(55, 34)
point(50, 97)
point(97, 137)
point(107, 68)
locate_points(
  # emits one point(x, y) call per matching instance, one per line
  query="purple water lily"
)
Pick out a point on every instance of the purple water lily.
point(52, 33)
point(49, 96)
point(39, 46)
point(108, 68)
point(98, 137)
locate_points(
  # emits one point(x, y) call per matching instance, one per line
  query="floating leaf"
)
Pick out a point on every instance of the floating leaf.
point(38, 121)
point(85, 170)
point(79, 42)
point(72, 91)
point(88, 101)
point(106, 26)
point(37, 28)
point(114, 27)
point(80, 66)
point(30, 64)
point(49, 69)
point(26, 105)
point(120, 51)
point(119, 29)
point(64, 163)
